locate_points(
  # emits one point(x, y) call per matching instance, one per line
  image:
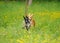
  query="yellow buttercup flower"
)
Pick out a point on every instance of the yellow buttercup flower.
point(20, 40)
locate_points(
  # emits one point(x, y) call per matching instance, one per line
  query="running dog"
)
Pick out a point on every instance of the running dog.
point(28, 21)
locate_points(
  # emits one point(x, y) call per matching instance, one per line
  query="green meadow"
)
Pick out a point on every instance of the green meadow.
point(47, 18)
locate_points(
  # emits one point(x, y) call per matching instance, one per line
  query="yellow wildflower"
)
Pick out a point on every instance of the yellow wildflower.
point(20, 40)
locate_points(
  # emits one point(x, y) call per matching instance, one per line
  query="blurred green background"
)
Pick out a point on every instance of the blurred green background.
point(47, 17)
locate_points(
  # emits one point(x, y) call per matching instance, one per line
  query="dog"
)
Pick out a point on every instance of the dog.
point(26, 22)
point(29, 21)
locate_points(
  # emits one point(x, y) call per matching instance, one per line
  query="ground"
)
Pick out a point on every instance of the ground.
point(46, 15)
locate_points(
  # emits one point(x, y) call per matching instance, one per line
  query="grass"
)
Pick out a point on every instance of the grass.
point(46, 15)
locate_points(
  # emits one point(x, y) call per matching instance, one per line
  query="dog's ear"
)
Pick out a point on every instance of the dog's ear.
point(26, 16)
point(23, 17)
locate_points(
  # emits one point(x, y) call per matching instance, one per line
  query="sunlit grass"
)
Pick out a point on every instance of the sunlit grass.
point(47, 17)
